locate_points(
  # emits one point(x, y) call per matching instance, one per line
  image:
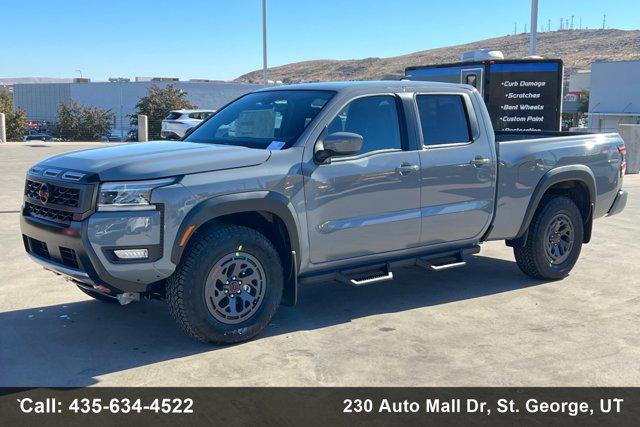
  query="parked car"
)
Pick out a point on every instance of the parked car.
point(114, 135)
point(38, 136)
point(178, 122)
point(309, 183)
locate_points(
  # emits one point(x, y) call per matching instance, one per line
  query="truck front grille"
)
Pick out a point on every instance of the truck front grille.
point(62, 196)
point(51, 214)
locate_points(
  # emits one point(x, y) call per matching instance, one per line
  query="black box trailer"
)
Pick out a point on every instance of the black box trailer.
point(521, 94)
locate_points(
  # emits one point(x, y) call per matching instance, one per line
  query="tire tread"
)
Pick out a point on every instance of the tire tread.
point(200, 244)
point(527, 256)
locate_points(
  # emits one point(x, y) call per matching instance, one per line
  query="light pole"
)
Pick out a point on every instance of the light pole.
point(79, 71)
point(534, 27)
point(265, 77)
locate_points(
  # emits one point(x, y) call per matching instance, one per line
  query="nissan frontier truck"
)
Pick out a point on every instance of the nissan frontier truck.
point(309, 183)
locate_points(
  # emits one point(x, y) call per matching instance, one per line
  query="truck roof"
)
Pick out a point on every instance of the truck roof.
point(358, 86)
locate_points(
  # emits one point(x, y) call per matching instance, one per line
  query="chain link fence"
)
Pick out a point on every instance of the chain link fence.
point(38, 128)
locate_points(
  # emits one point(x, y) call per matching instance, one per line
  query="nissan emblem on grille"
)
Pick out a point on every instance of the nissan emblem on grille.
point(44, 193)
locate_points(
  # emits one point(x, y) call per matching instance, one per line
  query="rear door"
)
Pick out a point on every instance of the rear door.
point(458, 169)
point(367, 203)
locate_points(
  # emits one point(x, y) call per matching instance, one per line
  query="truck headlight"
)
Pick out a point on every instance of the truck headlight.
point(127, 196)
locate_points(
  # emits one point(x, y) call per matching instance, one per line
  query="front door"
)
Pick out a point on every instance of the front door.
point(367, 203)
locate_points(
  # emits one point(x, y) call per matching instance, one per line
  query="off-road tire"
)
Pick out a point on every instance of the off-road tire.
point(185, 289)
point(97, 295)
point(531, 257)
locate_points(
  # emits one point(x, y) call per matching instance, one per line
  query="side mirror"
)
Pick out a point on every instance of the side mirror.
point(337, 144)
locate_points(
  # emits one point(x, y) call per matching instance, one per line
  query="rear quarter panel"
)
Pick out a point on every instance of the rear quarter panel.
point(522, 163)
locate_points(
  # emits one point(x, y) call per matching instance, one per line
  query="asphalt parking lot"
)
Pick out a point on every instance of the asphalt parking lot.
point(483, 325)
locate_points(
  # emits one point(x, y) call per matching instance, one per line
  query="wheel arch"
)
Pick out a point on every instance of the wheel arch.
point(252, 209)
point(575, 181)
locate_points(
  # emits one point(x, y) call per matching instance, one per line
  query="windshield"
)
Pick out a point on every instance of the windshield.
point(273, 119)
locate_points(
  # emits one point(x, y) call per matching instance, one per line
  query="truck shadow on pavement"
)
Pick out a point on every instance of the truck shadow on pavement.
point(73, 344)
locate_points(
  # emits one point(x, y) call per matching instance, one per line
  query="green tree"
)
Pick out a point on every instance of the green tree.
point(157, 104)
point(584, 103)
point(82, 122)
point(16, 121)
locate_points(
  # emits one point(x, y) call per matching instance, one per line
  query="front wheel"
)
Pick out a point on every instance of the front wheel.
point(227, 286)
point(554, 240)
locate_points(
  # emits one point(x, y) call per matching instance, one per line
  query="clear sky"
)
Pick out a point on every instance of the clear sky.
point(221, 39)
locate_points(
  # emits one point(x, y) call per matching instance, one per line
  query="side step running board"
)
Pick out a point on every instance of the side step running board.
point(456, 262)
point(365, 277)
point(369, 281)
point(381, 271)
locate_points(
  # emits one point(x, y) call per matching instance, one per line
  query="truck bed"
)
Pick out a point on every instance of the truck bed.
point(525, 157)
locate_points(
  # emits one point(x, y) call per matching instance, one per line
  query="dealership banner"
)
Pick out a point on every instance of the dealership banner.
point(319, 406)
point(525, 96)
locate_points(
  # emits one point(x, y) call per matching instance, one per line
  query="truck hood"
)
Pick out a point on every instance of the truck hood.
point(156, 159)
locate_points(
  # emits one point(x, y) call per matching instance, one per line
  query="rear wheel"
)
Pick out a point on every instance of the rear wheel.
point(554, 240)
point(228, 285)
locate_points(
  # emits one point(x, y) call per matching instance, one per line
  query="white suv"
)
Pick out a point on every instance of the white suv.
point(178, 122)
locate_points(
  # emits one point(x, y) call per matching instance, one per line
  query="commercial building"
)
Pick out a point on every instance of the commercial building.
point(575, 98)
point(42, 100)
point(614, 96)
point(579, 82)
point(7, 83)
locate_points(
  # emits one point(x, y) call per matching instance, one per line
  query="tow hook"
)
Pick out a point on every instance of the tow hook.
point(128, 297)
point(102, 289)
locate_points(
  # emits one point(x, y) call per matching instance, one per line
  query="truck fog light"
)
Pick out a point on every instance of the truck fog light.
point(132, 253)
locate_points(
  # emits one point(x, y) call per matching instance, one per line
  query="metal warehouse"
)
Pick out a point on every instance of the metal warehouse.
point(42, 100)
point(615, 95)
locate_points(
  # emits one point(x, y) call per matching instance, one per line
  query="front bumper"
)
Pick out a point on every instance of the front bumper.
point(619, 203)
point(65, 234)
point(70, 273)
point(66, 250)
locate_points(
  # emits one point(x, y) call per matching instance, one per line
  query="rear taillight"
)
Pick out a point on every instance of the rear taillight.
point(623, 159)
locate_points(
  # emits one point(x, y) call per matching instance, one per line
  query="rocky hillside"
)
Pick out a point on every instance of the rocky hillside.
point(577, 48)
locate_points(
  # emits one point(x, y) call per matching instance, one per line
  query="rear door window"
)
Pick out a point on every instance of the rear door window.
point(443, 119)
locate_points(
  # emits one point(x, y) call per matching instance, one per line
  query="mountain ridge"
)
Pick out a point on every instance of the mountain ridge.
point(577, 48)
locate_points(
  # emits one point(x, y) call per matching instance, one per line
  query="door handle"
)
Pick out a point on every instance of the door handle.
point(479, 161)
point(407, 168)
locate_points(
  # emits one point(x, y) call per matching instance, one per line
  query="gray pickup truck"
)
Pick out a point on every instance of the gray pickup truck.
point(314, 182)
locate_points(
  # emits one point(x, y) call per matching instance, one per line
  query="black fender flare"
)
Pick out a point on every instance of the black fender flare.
point(557, 175)
point(253, 201)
